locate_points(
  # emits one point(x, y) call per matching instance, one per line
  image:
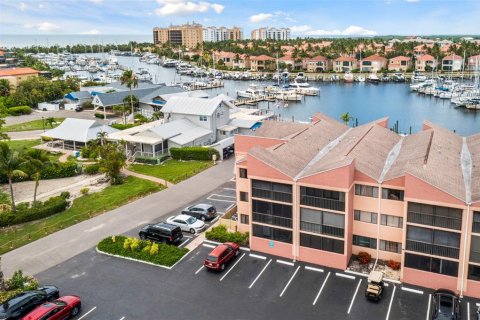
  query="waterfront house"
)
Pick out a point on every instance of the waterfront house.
point(293, 63)
point(16, 75)
point(425, 62)
point(452, 62)
point(410, 199)
point(373, 63)
point(316, 64)
point(400, 63)
point(226, 58)
point(262, 63)
point(345, 63)
point(474, 62)
point(77, 97)
point(241, 61)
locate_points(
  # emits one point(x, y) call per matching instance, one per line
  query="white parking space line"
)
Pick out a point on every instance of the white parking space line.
point(344, 276)
point(321, 288)
point(122, 318)
point(353, 299)
point(391, 301)
point(209, 198)
point(412, 290)
point(208, 245)
point(291, 264)
point(252, 255)
point(184, 242)
point(215, 219)
point(288, 283)
point(313, 269)
point(86, 314)
point(230, 206)
point(263, 270)
point(199, 269)
point(222, 196)
point(429, 303)
point(468, 310)
point(230, 189)
point(236, 262)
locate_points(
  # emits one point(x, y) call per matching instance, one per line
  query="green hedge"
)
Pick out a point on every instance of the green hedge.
point(221, 234)
point(20, 110)
point(193, 153)
point(99, 115)
point(148, 160)
point(164, 255)
point(121, 126)
point(62, 170)
point(92, 168)
point(40, 210)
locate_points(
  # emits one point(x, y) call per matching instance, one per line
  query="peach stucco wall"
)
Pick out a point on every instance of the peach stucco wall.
point(361, 177)
point(473, 289)
point(429, 279)
point(281, 249)
point(245, 143)
point(257, 168)
point(337, 178)
point(324, 258)
point(417, 189)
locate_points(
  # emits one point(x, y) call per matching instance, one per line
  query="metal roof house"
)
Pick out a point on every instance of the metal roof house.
point(73, 134)
point(78, 97)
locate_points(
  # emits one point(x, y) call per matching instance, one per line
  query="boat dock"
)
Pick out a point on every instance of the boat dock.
point(254, 101)
point(204, 86)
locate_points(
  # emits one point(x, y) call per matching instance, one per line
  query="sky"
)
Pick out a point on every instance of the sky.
point(304, 17)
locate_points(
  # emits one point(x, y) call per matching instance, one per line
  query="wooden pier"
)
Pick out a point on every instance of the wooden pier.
point(254, 101)
point(213, 85)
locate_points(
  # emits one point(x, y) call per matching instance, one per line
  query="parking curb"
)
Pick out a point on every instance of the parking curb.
point(217, 243)
point(141, 261)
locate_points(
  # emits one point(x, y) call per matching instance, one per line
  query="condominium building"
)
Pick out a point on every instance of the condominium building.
point(15, 76)
point(322, 192)
point(271, 34)
point(373, 63)
point(452, 62)
point(425, 62)
point(188, 35)
point(215, 34)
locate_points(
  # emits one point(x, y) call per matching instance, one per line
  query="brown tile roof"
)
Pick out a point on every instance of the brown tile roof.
point(426, 57)
point(17, 72)
point(400, 58)
point(473, 143)
point(452, 57)
point(375, 57)
point(279, 130)
point(261, 58)
point(316, 58)
point(345, 59)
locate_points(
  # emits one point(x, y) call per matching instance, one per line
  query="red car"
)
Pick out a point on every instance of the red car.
point(60, 309)
point(221, 255)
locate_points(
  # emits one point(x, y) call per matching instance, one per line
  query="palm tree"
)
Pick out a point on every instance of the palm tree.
point(50, 121)
point(10, 164)
point(157, 115)
point(37, 160)
point(5, 87)
point(129, 79)
point(346, 118)
point(102, 136)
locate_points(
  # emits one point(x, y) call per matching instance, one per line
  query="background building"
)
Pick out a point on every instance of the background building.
point(16, 75)
point(271, 34)
point(188, 35)
point(215, 34)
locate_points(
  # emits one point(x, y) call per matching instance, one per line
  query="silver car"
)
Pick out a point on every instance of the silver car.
point(187, 223)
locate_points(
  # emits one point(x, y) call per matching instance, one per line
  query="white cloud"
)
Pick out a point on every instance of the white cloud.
point(300, 29)
point(411, 0)
point(261, 17)
point(92, 31)
point(350, 31)
point(182, 7)
point(96, 1)
point(23, 6)
point(43, 26)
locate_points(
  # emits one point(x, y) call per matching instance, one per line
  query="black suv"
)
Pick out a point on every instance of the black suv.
point(161, 232)
point(201, 211)
point(446, 305)
point(21, 304)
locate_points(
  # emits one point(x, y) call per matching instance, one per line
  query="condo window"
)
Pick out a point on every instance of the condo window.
point(474, 272)
point(243, 173)
point(272, 190)
point(321, 243)
point(322, 222)
point(272, 233)
point(443, 217)
point(475, 249)
point(322, 198)
point(476, 222)
point(390, 246)
point(431, 264)
point(435, 242)
point(243, 196)
point(244, 219)
point(272, 213)
point(391, 221)
point(366, 191)
point(365, 242)
point(392, 194)
point(365, 216)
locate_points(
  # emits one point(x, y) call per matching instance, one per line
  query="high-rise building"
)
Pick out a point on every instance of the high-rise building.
point(271, 34)
point(215, 34)
point(188, 35)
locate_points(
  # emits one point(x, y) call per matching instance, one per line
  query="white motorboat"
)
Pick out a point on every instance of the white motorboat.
point(252, 92)
point(348, 77)
point(304, 88)
point(373, 78)
point(288, 95)
point(360, 78)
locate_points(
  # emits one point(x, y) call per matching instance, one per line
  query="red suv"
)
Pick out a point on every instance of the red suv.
point(221, 255)
point(62, 308)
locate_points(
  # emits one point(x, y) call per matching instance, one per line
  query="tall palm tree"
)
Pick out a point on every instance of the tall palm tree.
point(10, 164)
point(102, 136)
point(37, 160)
point(50, 121)
point(129, 79)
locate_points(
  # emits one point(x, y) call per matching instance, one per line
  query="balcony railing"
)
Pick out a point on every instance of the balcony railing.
point(423, 247)
point(272, 195)
point(476, 227)
point(475, 257)
point(322, 203)
point(433, 220)
point(322, 229)
point(271, 219)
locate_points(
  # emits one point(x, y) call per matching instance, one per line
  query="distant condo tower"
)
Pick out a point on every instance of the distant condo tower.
point(271, 34)
point(215, 34)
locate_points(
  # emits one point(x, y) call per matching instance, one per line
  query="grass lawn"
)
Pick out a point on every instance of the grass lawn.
point(31, 125)
point(19, 145)
point(172, 170)
point(83, 208)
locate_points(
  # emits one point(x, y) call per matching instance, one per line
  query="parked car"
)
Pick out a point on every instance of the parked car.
point(161, 232)
point(78, 108)
point(201, 211)
point(187, 223)
point(60, 309)
point(446, 305)
point(21, 304)
point(221, 255)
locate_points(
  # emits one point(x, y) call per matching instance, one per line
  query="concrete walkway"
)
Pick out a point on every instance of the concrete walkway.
point(144, 176)
point(25, 135)
point(56, 248)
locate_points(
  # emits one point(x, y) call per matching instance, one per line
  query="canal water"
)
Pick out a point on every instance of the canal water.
point(364, 101)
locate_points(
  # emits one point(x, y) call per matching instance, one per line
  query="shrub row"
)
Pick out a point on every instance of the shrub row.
point(165, 255)
point(62, 170)
point(39, 210)
point(193, 153)
point(99, 115)
point(148, 160)
point(16, 284)
point(221, 234)
point(20, 110)
point(92, 168)
point(121, 126)
point(89, 152)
